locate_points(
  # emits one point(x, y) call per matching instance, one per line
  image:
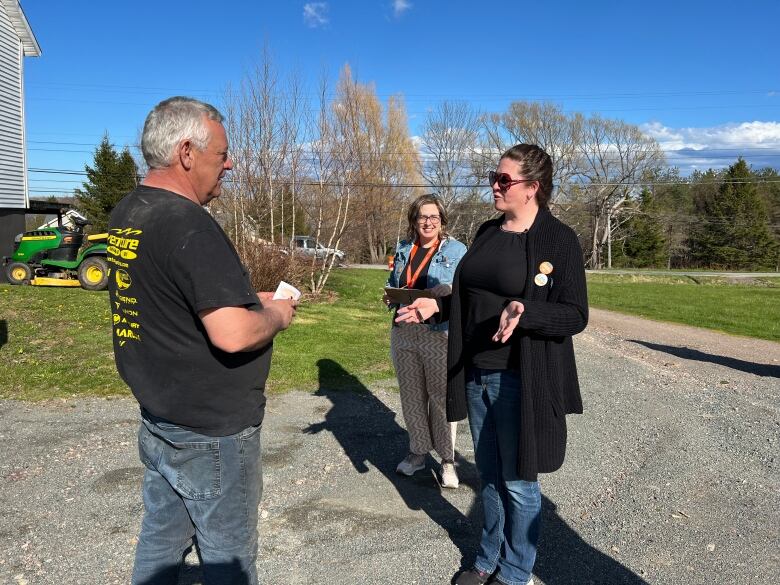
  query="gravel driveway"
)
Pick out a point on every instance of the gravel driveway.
point(671, 477)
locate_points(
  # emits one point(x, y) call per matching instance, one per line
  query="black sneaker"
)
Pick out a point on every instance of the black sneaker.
point(472, 577)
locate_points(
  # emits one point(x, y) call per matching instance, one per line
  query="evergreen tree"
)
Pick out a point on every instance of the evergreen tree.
point(646, 245)
point(770, 193)
point(112, 176)
point(734, 232)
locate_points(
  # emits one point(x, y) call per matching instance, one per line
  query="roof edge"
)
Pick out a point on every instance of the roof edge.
point(19, 21)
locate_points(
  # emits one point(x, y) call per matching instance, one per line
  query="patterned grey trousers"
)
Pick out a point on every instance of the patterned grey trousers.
point(420, 361)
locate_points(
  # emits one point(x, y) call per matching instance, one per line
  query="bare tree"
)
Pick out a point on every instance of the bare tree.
point(233, 208)
point(543, 124)
point(293, 131)
point(615, 157)
point(449, 138)
point(329, 195)
point(267, 137)
point(381, 158)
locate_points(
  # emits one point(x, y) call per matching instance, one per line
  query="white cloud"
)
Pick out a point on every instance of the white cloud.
point(315, 14)
point(718, 146)
point(743, 135)
point(400, 6)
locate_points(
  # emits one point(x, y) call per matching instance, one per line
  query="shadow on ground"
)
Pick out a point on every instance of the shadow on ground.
point(765, 370)
point(3, 332)
point(564, 558)
point(368, 432)
point(357, 417)
point(198, 575)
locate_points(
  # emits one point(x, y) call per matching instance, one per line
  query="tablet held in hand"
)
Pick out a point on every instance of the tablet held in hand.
point(406, 296)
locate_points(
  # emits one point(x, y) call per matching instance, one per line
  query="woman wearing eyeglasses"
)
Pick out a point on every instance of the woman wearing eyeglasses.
point(519, 296)
point(426, 260)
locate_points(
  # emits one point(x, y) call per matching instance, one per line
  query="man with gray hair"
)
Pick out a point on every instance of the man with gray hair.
point(193, 342)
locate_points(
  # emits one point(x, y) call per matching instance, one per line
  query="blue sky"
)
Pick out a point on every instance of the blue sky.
point(693, 74)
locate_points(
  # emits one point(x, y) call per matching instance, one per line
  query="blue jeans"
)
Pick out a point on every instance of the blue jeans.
point(202, 490)
point(512, 507)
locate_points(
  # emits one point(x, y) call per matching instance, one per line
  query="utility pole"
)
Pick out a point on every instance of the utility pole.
point(609, 239)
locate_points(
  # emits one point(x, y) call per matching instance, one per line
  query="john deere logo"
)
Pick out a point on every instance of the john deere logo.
point(123, 280)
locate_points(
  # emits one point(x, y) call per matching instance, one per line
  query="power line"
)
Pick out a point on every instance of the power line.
point(583, 186)
point(686, 149)
point(670, 159)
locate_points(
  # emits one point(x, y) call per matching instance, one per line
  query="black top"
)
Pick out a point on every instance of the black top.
point(170, 260)
point(554, 311)
point(422, 280)
point(494, 274)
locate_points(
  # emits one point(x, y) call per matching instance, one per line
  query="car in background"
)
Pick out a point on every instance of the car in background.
point(311, 247)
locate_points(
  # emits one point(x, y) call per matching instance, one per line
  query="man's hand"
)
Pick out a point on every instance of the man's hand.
point(265, 296)
point(510, 316)
point(284, 308)
point(418, 311)
point(234, 329)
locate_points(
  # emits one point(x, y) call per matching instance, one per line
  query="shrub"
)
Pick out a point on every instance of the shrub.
point(268, 264)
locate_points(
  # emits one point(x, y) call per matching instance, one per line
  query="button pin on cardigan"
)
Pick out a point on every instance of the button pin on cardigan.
point(545, 268)
point(540, 279)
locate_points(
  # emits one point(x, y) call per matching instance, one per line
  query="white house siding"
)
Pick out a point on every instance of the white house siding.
point(12, 155)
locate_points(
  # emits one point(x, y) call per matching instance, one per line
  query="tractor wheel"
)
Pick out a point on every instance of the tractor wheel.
point(18, 273)
point(93, 273)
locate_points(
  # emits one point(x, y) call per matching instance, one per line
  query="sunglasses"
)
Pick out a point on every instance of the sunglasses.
point(505, 180)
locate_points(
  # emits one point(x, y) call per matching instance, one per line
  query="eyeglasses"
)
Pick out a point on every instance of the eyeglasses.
point(505, 180)
point(432, 219)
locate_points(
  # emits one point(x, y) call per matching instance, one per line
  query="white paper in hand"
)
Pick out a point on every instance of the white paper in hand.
point(286, 291)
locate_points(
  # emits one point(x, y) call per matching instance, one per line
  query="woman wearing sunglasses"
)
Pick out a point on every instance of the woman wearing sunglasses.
point(518, 297)
point(426, 260)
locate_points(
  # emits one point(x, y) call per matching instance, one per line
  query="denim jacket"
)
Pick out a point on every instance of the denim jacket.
point(441, 270)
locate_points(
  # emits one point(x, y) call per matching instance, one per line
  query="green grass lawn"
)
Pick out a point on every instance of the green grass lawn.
point(716, 303)
point(56, 342)
point(352, 329)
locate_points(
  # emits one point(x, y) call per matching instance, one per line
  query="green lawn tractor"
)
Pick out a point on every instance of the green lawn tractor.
point(59, 256)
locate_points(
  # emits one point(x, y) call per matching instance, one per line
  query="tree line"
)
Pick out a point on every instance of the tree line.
point(340, 164)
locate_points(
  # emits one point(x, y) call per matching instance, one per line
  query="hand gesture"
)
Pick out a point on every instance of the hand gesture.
point(510, 316)
point(418, 311)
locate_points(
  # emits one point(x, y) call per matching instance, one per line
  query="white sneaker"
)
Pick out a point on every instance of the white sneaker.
point(449, 477)
point(411, 464)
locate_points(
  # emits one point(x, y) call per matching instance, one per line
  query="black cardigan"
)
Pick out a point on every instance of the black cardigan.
point(553, 313)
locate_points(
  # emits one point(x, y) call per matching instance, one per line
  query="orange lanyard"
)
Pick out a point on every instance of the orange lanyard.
point(412, 278)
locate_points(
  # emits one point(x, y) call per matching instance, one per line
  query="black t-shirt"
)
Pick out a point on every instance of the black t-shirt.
point(492, 274)
point(422, 279)
point(169, 260)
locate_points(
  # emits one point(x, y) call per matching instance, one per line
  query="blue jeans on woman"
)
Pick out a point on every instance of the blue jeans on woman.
point(512, 507)
point(203, 490)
